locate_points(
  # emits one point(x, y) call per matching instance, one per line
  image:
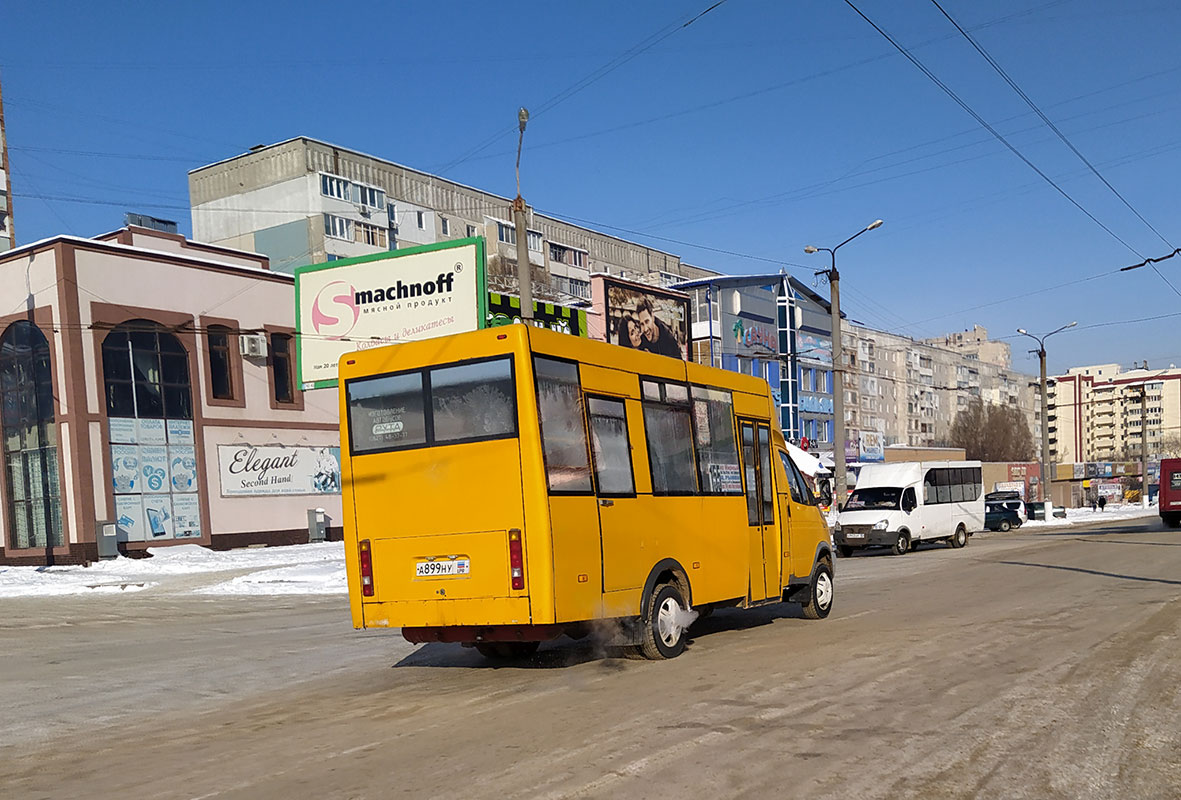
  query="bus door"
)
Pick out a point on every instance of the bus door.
point(760, 510)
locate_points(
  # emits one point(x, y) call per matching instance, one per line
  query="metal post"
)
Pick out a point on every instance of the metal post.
point(524, 271)
point(838, 383)
point(1042, 491)
point(709, 309)
point(1144, 445)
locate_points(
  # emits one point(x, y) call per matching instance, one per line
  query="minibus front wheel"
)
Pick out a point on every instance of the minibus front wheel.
point(664, 625)
point(901, 544)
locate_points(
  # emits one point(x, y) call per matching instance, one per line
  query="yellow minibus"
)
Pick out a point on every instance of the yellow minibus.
point(510, 485)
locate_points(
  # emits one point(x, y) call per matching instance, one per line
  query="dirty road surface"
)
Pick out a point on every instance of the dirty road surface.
point(1027, 665)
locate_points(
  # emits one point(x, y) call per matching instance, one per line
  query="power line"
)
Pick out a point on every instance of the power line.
point(983, 123)
point(1049, 123)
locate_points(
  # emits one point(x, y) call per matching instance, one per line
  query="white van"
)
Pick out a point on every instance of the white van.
point(900, 505)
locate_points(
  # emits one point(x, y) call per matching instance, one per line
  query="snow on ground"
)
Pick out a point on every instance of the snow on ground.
point(295, 569)
point(1080, 516)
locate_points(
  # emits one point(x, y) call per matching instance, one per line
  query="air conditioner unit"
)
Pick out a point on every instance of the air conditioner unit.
point(252, 345)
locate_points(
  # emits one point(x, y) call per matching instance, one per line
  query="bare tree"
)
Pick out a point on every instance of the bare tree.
point(992, 433)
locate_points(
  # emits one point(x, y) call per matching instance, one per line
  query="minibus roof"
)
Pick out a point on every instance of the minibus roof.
point(903, 473)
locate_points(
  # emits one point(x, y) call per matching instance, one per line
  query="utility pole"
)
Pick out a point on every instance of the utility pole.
point(1044, 480)
point(524, 273)
point(6, 189)
point(838, 368)
point(1144, 442)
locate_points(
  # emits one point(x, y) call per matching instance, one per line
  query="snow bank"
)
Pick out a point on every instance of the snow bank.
point(295, 569)
point(1080, 516)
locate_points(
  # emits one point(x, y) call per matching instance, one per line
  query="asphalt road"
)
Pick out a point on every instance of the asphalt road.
point(1038, 665)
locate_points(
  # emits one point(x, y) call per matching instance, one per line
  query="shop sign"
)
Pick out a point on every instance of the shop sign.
point(504, 309)
point(816, 405)
point(753, 336)
point(259, 470)
point(385, 298)
point(814, 348)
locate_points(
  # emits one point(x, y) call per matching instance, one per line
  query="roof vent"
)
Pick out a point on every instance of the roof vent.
point(146, 221)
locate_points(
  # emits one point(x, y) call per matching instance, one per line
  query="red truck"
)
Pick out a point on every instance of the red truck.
point(1169, 496)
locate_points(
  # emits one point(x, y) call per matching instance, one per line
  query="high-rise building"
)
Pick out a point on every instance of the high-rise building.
point(304, 201)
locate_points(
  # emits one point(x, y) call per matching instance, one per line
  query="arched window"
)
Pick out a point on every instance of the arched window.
point(147, 373)
point(30, 438)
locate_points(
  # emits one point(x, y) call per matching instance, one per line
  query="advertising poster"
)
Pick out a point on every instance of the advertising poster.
point(124, 429)
point(505, 309)
point(153, 469)
point(151, 431)
point(182, 468)
point(180, 431)
point(253, 470)
point(186, 516)
point(646, 318)
point(125, 469)
point(158, 516)
point(129, 518)
point(816, 348)
point(380, 299)
point(872, 446)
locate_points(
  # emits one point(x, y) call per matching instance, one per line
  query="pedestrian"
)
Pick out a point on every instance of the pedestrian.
point(1102, 502)
point(1094, 504)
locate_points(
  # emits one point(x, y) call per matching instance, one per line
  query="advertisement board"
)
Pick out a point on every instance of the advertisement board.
point(504, 309)
point(816, 348)
point(154, 479)
point(253, 470)
point(647, 318)
point(404, 295)
point(872, 446)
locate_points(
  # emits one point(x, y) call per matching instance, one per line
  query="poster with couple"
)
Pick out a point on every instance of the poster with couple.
point(646, 318)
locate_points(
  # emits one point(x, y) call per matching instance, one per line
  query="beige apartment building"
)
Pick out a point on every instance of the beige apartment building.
point(909, 391)
point(1096, 413)
point(304, 201)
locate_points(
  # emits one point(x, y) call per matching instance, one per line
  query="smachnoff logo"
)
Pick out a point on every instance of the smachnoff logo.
point(405, 291)
point(335, 311)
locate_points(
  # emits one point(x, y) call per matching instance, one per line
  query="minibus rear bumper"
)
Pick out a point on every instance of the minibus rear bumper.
point(483, 633)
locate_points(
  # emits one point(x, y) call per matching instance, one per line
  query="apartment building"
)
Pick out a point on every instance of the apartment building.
point(1101, 412)
point(909, 391)
point(304, 201)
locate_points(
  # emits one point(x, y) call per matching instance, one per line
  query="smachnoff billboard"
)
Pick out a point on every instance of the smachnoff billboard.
point(400, 296)
point(646, 318)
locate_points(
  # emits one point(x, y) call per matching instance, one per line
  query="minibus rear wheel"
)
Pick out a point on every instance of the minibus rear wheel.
point(664, 625)
point(960, 537)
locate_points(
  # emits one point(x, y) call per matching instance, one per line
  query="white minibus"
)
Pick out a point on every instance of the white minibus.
point(900, 505)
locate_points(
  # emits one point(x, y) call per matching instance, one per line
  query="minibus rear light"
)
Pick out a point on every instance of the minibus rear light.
point(516, 560)
point(365, 557)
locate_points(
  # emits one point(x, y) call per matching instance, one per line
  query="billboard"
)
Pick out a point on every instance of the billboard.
point(505, 309)
point(252, 470)
point(872, 446)
point(370, 301)
point(813, 347)
point(647, 318)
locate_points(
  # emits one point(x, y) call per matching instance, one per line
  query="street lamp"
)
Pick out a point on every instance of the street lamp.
point(524, 276)
point(838, 389)
point(1041, 351)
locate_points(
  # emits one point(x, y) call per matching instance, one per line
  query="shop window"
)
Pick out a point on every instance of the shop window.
point(30, 439)
point(282, 378)
point(220, 377)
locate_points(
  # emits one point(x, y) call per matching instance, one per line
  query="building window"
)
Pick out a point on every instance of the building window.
point(471, 231)
point(219, 362)
point(338, 227)
point(579, 258)
point(30, 439)
point(146, 371)
point(506, 233)
point(368, 196)
point(334, 187)
point(557, 253)
point(365, 233)
point(421, 220)
point(445, 226)
point(282, 378)
point(535, 241)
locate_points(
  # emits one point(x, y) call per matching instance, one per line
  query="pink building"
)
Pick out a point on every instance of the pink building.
point(149, 381)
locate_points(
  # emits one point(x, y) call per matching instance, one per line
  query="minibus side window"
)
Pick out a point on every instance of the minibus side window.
point(670, 441)
point(386, 413)
point(942, 486)
point(957, 485)
point(717, 451)
point(473, 401)
point(765, 467)
point(609, 446)
point(929, 488)
point(563, 427)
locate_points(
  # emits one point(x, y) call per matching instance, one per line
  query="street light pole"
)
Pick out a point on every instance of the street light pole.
point(524, 274)
point(838, 369)
point(1041, 352)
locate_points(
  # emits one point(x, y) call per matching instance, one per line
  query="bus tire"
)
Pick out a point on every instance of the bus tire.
point(506, 651)
point(820, 592)
point(901, 544)
point(663, 635)
point(844, 551)
point(960, 537)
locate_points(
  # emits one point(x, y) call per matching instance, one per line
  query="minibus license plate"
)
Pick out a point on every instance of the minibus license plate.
point(429, 569)
point(854, 535)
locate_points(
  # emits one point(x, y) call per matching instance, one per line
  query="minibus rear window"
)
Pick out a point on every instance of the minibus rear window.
point(387, 412)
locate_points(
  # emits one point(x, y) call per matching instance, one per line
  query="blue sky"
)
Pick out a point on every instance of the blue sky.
point(758, 129)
